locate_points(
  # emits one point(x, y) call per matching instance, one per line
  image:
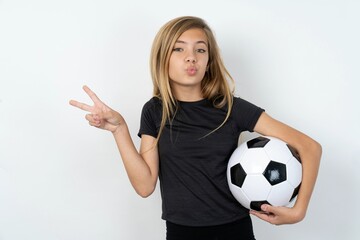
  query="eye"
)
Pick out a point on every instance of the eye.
point(200, 50)
point(178, 49)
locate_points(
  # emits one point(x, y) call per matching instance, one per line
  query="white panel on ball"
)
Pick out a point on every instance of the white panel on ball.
point(242, 198)
point(280, 194)
point(256, 187)
point(250, 166)
point(275, 151)
point(294, 172)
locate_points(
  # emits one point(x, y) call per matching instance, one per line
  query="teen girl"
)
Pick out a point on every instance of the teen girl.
point(188, 131)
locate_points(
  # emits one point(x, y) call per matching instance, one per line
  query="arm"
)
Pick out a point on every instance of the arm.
point(142, 168)
point(310, 154)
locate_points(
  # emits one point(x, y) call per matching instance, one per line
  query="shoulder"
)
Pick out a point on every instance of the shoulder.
point(152, 109)
point(150, 117)
point(246, 113)
point(153, 101)
point(241, 103)
point(152, 104)
point(238, 100)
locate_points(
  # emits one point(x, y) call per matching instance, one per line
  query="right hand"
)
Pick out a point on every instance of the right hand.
point(100, 115)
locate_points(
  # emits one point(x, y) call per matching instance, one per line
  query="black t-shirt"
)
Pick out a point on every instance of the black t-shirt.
point(193, 165)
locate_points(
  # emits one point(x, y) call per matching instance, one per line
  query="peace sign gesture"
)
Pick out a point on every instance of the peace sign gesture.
point(100, 115)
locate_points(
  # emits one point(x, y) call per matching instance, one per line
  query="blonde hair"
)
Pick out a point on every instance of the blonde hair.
point(215, 84)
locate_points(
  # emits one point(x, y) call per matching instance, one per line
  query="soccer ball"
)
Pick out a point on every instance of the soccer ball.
point(264, 170)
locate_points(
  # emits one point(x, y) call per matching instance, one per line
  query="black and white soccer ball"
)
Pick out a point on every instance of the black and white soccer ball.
point(264, 170)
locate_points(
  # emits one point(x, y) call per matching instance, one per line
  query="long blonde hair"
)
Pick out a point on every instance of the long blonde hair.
point(215, 84)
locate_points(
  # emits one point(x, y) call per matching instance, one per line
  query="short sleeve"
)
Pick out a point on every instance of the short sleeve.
point(150, 118)
point(246, 114)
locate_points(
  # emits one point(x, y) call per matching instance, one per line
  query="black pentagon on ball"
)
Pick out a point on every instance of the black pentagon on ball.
point(238, 175)
point(275, 172)
point(294, 152)
point(258, 142)
point(256, 205)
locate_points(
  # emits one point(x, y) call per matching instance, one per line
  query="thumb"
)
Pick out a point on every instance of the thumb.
point(268, 208)
point(111, 117)
point(104, 115)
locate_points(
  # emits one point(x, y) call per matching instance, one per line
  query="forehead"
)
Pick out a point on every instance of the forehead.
point(193, 35)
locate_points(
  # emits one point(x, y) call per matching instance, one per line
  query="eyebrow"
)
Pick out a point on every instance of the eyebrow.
point(198, 42)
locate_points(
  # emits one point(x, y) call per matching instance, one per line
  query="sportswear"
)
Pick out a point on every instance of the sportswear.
point(193, 159)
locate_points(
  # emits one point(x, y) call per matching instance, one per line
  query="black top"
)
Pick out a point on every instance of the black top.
point(193, 165)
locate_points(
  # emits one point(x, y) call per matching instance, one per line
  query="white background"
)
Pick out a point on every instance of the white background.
point(60, 179)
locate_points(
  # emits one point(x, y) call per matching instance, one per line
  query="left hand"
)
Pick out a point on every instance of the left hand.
point(278, 215)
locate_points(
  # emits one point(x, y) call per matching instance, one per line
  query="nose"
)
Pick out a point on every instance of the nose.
point(191, 59)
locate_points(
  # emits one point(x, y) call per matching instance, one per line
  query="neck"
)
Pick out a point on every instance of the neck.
point(187, 95)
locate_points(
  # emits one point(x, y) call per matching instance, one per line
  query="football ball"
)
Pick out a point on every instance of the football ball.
point(264, 170)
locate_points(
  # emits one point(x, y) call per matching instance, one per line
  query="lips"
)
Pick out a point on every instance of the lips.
point(191, 71)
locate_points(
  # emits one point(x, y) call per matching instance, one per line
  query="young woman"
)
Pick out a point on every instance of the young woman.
point(188, 131)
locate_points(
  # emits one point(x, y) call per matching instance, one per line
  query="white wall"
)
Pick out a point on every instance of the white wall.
point(61, 179)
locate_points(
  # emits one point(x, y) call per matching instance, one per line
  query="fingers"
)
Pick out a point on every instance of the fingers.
point(268, 213)
point(93, 119)
point(277, 215)
point(100, 115)
point(80, 105)
point(268, 208)
point(84, 106)
point(91, 94)
point(262, 215)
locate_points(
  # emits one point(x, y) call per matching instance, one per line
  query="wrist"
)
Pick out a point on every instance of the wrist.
point(119, 129)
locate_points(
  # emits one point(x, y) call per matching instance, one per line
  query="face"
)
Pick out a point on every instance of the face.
point(188, 61)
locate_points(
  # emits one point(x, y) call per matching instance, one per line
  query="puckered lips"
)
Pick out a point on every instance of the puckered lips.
point(191, 70)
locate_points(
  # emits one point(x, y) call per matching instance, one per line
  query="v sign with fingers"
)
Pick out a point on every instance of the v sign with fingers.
point(142, 168)
point(100, 115)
